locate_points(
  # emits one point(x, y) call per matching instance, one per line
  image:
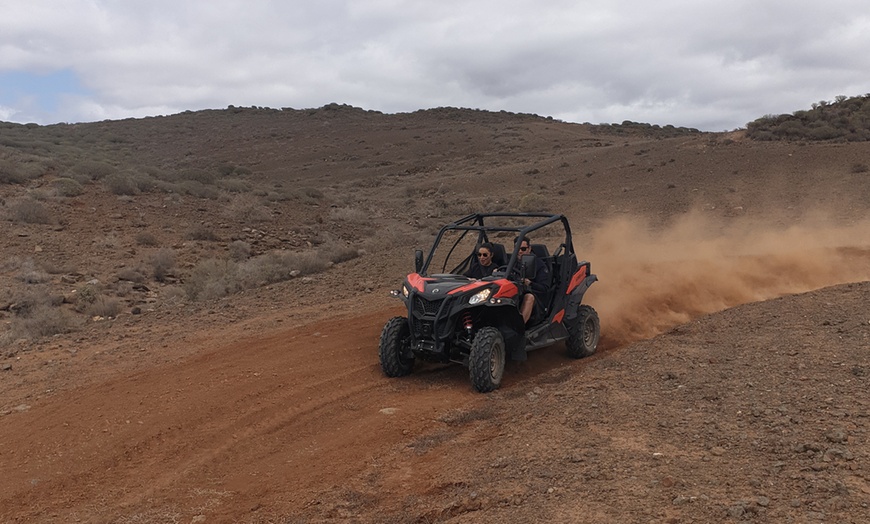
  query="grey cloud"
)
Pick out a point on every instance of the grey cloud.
point(712, 65)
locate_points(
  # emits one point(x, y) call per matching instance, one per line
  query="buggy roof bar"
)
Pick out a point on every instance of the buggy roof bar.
point(476, 222)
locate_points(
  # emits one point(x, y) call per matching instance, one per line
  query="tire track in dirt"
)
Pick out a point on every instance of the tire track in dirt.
point(282, 416)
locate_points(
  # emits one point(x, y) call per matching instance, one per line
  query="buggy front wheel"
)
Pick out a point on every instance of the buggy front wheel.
point(394, 350)
point(486, 360)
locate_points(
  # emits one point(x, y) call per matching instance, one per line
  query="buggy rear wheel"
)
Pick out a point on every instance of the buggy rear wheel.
point(486, 360)
point(583, 333)
point(394, 351)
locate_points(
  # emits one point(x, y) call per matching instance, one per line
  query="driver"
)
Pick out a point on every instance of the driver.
point(536, 288)
point(484, 266)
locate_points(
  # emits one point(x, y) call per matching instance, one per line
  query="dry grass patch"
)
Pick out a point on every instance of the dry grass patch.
point(162, 264)
point(29, 211)
point(144, 238)
point(215, 278)
point(67, 187)
point(247, 208)
point(91, 170)
point(43, 321)
point(202, 232)
point(104, 307)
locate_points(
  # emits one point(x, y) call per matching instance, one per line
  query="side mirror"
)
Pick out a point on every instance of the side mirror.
point(529, 266)
point(418, 260)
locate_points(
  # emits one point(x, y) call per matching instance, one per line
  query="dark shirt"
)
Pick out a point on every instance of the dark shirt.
point(540, 284)
point(479, 271)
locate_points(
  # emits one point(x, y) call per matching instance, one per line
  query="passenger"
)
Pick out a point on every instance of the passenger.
point(537, 287)
point(484, 266)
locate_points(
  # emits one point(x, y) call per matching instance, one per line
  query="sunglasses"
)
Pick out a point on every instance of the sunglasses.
point(524, 248)
point(483, 255)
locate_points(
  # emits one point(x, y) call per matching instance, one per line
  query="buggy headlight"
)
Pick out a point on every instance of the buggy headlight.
point(480, 296)
point(405, 291)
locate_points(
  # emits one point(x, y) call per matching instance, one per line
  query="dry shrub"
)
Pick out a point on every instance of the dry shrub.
point(212, 278)
point(67, 187)
point(339, 253)
point(144, 238)
point(31, 274)
point(123, 288)
point(104, 307)
point(92, 170)
point(197, 189)
point(42, 321)
point(25, 302)
point(199, 175)
point(202, 232)
point(248, 208)
point(533, 202)
point(173, 294)
point(162, 263)
point(215, 278)
point(121, 183)
point(239, 250)
point(30, 211)
point(234, 185)
point(40, 194)
point(128, 274)
point(85, 296)
point(349, 214)
point(11, 173)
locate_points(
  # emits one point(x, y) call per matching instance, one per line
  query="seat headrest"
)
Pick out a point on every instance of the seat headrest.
point(498, 255)
point(540, 250)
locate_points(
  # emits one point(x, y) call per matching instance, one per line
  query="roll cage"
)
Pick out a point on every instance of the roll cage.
point(485, 225)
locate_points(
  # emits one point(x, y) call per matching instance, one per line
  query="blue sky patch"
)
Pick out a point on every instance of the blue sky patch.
point(43, 91)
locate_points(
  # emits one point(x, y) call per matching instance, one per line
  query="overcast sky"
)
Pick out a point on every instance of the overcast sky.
point(713, 65)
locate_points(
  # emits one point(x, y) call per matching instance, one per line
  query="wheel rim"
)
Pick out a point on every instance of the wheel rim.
point(588, 332)
point(496, 362)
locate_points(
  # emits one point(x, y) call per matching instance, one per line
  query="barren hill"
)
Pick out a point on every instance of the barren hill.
point(191, 306)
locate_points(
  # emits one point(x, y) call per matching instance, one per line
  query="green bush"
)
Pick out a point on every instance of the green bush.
point(844, 119)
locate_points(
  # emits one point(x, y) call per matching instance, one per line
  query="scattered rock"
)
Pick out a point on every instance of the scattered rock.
point(837, 435)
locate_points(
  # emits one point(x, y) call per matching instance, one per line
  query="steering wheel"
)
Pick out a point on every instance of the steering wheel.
point(515, 274)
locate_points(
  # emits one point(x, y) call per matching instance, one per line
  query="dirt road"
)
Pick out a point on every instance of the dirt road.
point(272, 420)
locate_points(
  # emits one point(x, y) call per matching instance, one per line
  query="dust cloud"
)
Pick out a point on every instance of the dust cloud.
point(654, 278)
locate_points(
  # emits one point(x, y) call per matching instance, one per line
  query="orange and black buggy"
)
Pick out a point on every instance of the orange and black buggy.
point(477, 322)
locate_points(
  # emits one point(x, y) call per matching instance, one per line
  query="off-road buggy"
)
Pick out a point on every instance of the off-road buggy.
point(477, 323)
